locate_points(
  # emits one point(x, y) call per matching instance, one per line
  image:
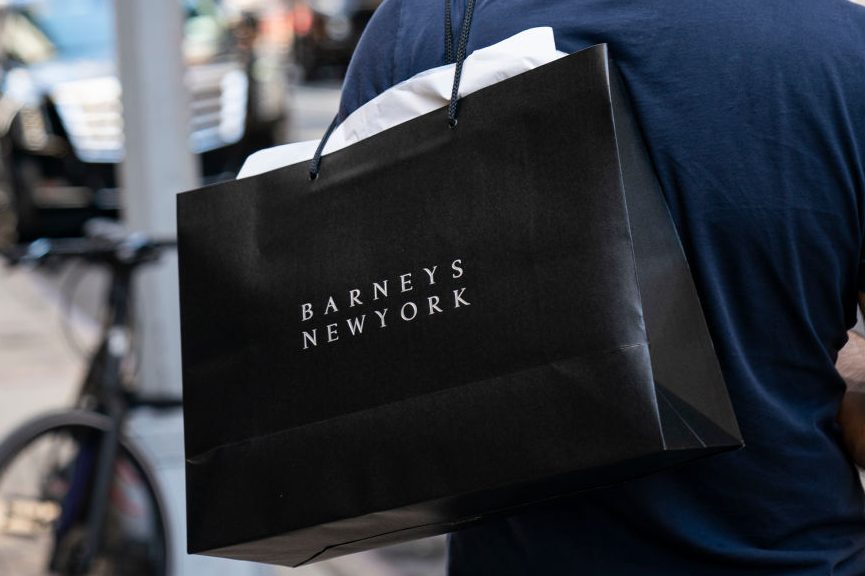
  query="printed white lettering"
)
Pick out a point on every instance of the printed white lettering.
point(355, 325)
point(413, 311)
point(354, 298)
point(405, 280)
point(331, 306)
point(431, 274)
point(381, 315)
point(433, 305)
point(305, 312)
point(310, 338)
point(458, 270)
point(379, 289)
point(458, 298)
point(436, 298)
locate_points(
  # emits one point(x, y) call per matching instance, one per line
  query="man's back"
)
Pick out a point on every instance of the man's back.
point(754, 113)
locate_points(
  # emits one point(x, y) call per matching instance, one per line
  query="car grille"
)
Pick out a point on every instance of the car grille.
point(91, 112)
point(92, 117)
point(218, 96)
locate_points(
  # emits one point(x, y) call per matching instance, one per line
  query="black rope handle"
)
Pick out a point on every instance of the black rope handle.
point(315, 163)
point(460, 57)
point(449, 33)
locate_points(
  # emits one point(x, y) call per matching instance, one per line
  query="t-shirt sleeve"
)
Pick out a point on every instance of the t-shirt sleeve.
point(371, 70)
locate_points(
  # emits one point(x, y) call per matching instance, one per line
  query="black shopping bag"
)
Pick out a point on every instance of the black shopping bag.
point(447, 324)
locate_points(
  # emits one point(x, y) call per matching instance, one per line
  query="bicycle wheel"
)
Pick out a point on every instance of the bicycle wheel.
point(47, 468)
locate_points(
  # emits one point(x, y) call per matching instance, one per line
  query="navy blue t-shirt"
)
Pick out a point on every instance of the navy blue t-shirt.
point(754, 113)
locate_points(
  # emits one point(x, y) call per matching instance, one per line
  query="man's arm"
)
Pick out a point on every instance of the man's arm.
point(851, 417)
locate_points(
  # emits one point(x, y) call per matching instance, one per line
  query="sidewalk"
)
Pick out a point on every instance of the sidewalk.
point(38, 368)
point(39, 371)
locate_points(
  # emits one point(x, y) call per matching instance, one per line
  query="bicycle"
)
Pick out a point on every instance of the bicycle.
point(76, 495)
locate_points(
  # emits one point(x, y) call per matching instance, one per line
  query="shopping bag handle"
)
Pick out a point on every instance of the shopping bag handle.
point(315, 164)
point(460, 53)
point(450, 58)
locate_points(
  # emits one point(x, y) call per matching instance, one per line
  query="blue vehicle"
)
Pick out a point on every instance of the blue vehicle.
point(61, 124)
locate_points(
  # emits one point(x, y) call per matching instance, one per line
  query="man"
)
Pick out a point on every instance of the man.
point(754, 114)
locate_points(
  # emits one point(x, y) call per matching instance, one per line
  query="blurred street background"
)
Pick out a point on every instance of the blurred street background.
point(87, 102)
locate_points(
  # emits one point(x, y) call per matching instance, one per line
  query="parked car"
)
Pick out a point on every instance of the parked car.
point(327, 31)
point(61, 124)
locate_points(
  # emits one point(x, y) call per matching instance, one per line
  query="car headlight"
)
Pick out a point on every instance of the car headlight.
point(32, 133)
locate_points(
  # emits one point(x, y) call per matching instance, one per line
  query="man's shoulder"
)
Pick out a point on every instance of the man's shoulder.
point(407, 36)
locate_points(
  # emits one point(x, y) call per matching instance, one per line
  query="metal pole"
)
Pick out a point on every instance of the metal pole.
point(158, 164)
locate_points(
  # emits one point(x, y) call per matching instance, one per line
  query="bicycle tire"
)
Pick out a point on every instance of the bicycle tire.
point(36, 504)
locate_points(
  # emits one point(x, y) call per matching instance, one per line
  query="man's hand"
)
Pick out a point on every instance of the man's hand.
point(851, 416)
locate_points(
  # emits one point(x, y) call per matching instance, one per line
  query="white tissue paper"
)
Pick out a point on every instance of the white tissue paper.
point(420, 94)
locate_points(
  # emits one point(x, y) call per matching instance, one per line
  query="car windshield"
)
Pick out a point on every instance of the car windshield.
point(39, 30)
point(75, 28)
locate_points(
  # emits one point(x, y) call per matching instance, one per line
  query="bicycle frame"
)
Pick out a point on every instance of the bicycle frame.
point(105, 378)
point(85, 508)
